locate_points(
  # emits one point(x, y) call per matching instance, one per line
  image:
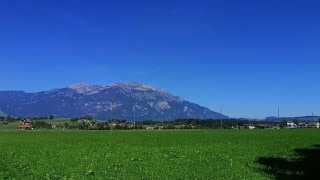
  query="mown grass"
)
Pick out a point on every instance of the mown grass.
point(214, 154)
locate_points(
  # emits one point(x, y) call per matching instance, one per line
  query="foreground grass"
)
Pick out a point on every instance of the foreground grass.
point(225, 154)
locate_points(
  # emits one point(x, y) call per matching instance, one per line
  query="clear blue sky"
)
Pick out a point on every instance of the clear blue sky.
point(248, 56)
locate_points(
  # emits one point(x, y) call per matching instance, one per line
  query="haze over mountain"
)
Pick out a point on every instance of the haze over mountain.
point(118, 100)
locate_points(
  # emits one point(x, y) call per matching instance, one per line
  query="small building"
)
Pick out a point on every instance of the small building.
point(318, 125)
point(56, 126)
point(150, 128)
point(303, 125)
point(252, 127)
point(291, 125)
point(312, 125)
point(25, 127)
point(25, 121)
point(93, 127)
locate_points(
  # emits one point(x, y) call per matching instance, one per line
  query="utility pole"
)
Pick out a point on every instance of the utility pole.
point(278, 117)
point(134, 116)
point(221, 118)
point(112, 108)
point(134, 111)
point(112, 101)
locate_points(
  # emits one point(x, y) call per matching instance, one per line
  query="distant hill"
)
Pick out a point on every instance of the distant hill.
point(118, 101)
point(302, 118)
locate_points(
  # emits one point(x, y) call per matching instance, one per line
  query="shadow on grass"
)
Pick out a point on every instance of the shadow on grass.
point(305, 165)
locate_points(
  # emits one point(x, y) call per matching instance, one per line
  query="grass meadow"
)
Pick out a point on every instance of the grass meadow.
point(212, 154)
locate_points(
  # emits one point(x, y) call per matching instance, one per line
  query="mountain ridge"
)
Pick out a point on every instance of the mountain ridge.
point(116, 100)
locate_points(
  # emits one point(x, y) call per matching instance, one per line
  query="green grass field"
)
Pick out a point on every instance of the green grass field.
point(213, 154)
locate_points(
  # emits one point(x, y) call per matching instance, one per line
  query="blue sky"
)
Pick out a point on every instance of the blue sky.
point(248, 56)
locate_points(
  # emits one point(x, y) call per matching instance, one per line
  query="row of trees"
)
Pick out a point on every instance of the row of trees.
point(202, 124)
point(14, 119)
point(41, 124)
point(84, 125)
point(214, 123)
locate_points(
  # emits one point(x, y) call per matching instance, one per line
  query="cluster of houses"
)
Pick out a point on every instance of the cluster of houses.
point(122, 124)
point(287, 125)
point(256, 126)
point(292, 125)
point(25, 124)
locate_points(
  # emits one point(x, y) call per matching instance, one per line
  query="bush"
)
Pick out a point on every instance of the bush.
point(66, 125)
point(41, 124)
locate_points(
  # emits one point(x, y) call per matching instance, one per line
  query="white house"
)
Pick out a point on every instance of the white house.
point(318, 125)
point(150, 128)
point(291, 125)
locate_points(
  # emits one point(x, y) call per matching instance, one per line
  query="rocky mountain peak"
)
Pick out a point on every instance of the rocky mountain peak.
point(133, 86)
point(78, 86)
point(82, 87)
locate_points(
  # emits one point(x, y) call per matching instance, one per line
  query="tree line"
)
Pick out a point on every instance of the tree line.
point(15, 119)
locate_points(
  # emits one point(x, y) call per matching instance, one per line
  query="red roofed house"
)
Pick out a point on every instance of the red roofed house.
point(25, 127)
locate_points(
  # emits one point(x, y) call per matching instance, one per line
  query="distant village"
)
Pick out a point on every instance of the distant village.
point(89, 123)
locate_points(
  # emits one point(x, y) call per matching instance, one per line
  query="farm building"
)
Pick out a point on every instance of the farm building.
point(25, 127)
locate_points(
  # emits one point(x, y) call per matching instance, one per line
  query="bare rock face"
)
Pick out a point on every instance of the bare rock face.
point(117, 100)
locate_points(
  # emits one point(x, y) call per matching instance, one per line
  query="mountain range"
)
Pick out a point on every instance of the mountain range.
point(127, 101)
